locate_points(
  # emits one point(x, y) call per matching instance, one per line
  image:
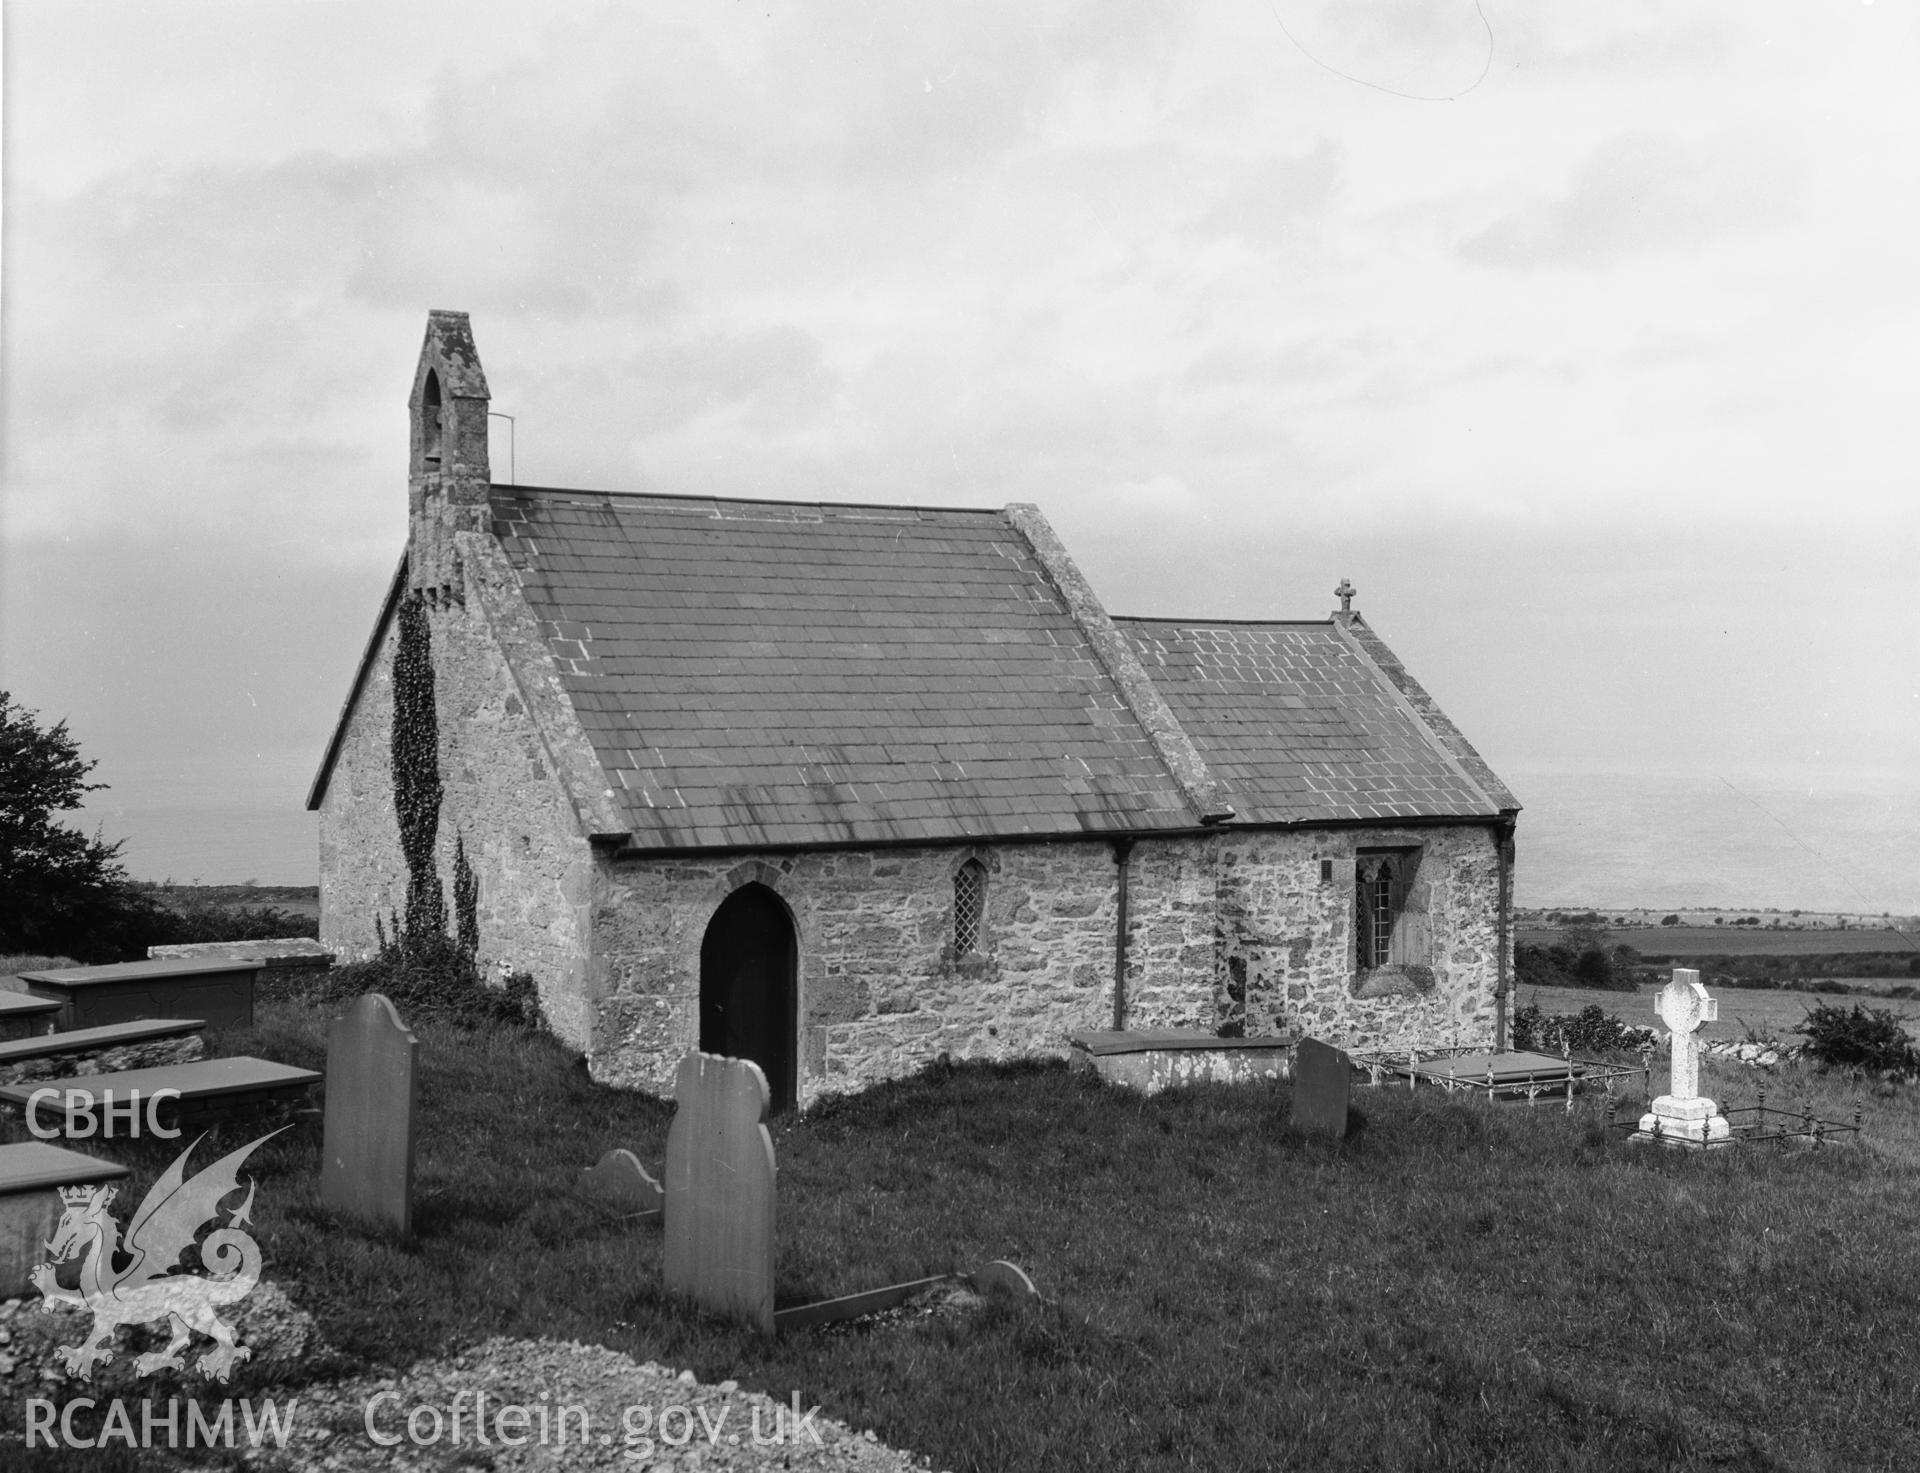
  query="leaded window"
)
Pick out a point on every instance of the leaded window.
point(969, 907)
point(1376, 910)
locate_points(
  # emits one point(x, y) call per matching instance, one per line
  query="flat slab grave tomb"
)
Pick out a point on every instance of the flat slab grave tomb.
point(289, 965)
point(143, 1044)
point(1153, 1059)
point(1511, 1075)
point(219, 991)
point(22, 1015)
point(208, 1090)
point(30, 1174)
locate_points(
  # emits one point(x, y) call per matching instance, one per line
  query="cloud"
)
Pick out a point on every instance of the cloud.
point(1420, 48)
point(1235, 323)
point(1277, 198)
point(1645, 192)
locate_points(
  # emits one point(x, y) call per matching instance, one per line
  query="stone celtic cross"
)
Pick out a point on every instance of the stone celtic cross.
point(1683, 1005)
point(1345, 593)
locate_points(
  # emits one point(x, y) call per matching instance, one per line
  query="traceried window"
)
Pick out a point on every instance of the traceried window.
point(1391, 950)
point(969, 907)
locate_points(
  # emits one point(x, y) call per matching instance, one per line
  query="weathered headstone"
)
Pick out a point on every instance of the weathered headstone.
point(366, 1166)
point(1682, 1117)
point(1322, 1085)
point(619, 1180)
point(720, 1190)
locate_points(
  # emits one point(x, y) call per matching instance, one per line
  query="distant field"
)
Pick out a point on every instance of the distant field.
point(1734, 940)
point(1771, 1012)
point(300, 900)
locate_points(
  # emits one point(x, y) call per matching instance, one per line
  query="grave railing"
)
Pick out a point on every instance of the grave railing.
point(1763, 1122)
point(1509, 1076)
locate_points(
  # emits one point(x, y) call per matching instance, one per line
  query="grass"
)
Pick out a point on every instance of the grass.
point(1455, 1286)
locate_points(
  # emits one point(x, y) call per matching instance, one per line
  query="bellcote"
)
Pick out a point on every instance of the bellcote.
point(449, 402)
point(448, 474)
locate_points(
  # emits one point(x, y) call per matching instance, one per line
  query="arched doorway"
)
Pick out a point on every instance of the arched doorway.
point(747, 987)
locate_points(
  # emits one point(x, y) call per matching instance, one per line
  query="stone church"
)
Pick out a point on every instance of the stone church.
point(840, 788)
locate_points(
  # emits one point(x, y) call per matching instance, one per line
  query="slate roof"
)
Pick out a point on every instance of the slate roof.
point(770, 673)
point(759, 674)
point(1300, 723)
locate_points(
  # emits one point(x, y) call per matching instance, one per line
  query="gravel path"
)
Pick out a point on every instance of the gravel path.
point(620, 1413)
point(602, 1409)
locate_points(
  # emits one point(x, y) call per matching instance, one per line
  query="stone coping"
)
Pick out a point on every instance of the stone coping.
point(279, 950)
point(1161, 1040)
point(135, 972)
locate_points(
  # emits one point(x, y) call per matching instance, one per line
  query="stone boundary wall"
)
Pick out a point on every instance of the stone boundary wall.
point(288, 965)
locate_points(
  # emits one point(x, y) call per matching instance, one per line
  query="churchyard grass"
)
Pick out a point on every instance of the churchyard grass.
point(1455, 1286)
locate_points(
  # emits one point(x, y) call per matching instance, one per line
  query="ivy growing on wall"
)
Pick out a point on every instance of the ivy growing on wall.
point(416, 773)
point(466, 899)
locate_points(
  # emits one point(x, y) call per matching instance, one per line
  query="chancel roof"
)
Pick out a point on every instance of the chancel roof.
point(1312, 722)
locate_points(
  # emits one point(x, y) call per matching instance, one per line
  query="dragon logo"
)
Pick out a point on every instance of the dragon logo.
point(146, 1288)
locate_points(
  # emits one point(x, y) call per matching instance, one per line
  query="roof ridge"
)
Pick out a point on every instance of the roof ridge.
point(515, 488)
point(1450, 740)
point(1223, 623)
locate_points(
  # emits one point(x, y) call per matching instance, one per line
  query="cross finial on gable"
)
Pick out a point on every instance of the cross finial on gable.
point(1345, 593)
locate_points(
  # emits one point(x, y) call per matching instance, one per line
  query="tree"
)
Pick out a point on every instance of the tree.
point(61, 892)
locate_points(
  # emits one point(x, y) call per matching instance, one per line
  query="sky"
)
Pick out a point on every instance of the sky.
point(1578, 337)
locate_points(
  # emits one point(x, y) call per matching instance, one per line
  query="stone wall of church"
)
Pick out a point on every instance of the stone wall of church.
point(881, 992)
point(1233, 929)
point(1286, 947)
point(500, 798)
point(506, 804)
point(362, 872)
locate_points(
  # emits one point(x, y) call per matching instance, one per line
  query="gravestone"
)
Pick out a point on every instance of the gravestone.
point(720, 1190)
point(1322, 1084)
point(1681, 1117)
point(619, 1180)
point(366, 1163)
